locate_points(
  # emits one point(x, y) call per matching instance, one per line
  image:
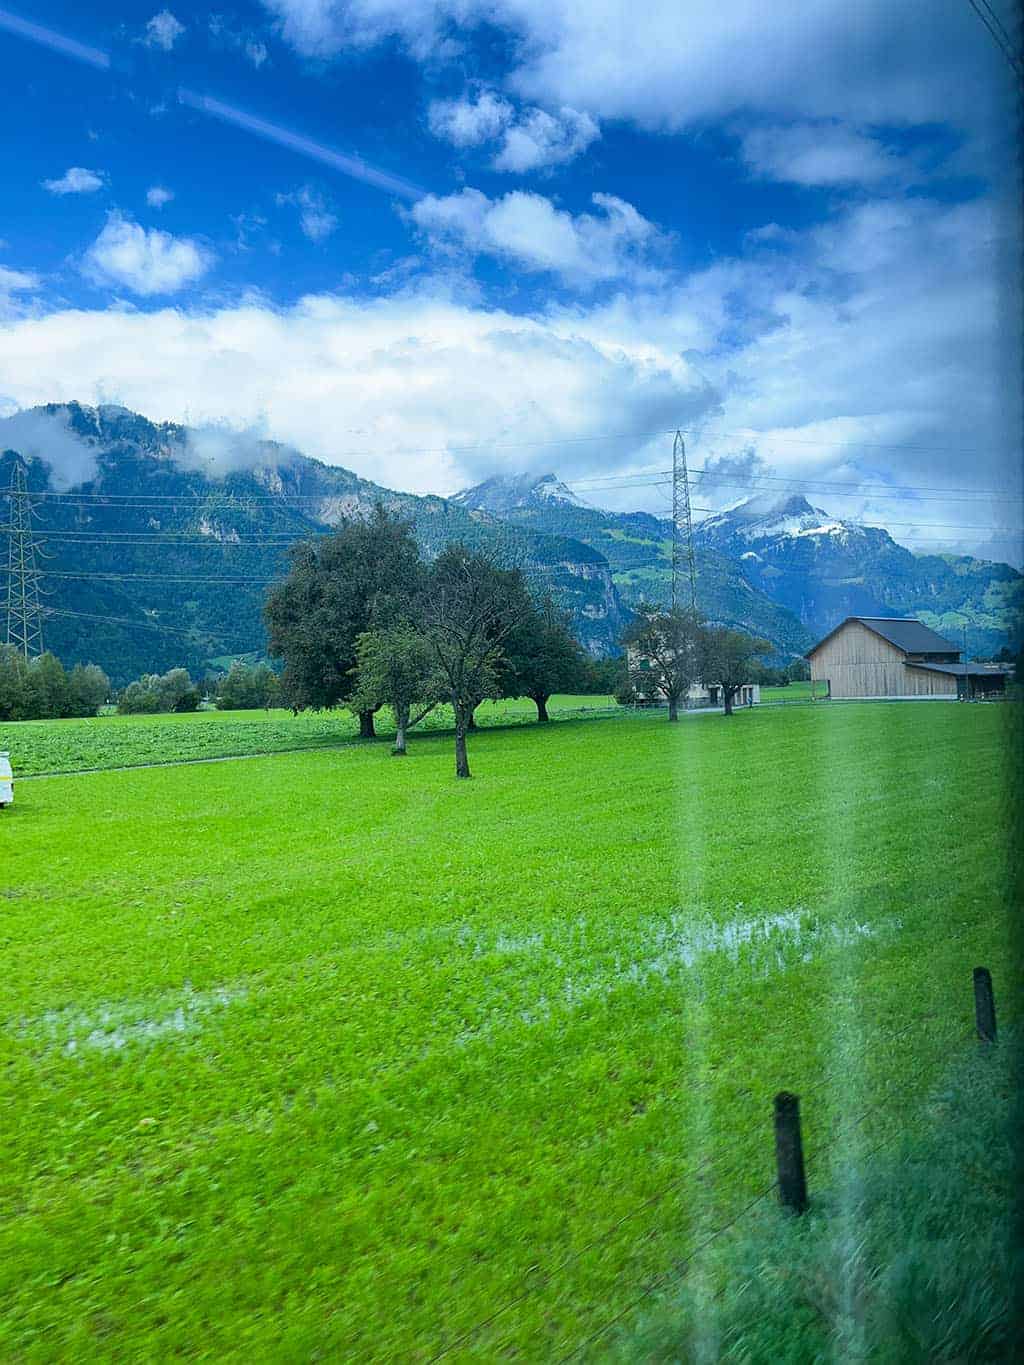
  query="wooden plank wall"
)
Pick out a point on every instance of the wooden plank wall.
point(859, 663)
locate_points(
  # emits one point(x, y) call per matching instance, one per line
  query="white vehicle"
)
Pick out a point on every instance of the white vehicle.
point(6, 779)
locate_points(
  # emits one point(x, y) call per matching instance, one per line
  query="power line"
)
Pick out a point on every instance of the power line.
point(999, 34)
point(297, 537)
point(238, 580)
point(124, 621)
point(595, 483)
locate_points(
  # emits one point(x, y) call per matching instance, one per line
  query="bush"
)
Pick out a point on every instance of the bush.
point(160, 693)
point(247, 688)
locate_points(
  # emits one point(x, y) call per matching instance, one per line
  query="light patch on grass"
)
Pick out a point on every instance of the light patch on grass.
point(116, 1025)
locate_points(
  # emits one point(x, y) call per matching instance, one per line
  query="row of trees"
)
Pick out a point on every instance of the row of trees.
point(669, 651)
point(42, 689)
point(245, 687)
point(363, 621)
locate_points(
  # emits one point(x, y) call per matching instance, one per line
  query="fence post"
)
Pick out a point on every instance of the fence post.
point(984, 1005)
point(789, 1152)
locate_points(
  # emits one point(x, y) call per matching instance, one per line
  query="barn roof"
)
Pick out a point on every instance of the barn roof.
point(965, 670)
point(906, 633)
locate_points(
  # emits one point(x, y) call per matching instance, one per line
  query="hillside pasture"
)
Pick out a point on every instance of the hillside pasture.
point(328, 1056)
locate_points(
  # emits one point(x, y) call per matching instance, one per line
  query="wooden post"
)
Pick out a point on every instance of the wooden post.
point(984, 1005)
point(789, 1153)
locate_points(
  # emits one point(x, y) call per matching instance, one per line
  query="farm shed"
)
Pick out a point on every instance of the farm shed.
point(873, 657)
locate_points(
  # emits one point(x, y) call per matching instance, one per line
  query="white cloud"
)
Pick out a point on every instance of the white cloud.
point(880, 346)
point(367, 384)
point(467, 122)
point(248, 43)
point(146, 261)
point(315, 219)
point(823, 153)
point(541, 139)
point(13, 285)
point(157, 196)
point(669, 65)
point(163, 31)
point(76, 180)
point(531, 139)
point(17, 281)
point(46, 436)
point(527, 229)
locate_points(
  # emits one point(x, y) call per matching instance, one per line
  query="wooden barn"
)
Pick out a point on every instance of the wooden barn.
point(872, 657)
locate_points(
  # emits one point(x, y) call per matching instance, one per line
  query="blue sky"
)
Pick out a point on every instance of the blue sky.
point(436, 239)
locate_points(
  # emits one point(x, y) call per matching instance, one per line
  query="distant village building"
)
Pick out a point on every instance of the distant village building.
point(700, 694)
point(872, 657)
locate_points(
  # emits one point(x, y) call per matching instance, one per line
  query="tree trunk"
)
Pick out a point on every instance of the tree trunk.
point(542, 710)
point(471, 721)
point(461, 757)
point(366, 730)
point(673, 708)
point(401, 721)
point(727, 699)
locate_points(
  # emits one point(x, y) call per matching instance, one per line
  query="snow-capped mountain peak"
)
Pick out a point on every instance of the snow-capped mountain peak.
point(503, 492)
point(771, 516)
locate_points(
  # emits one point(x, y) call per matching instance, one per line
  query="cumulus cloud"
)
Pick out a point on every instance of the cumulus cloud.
point(46, 436)
point(157, 196)
point(469, 121)
point(878, 347)
point(542, 139)
point(364, 383)
point(146, 261)
point(315, 218)
point(583, 249)
point(163, 31)
point(672, 66)
point(76, 180)
point(531, 139)
point(822, 153)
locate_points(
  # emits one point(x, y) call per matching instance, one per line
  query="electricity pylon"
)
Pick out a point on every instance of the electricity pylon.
point(24, 609)
point(682, 522)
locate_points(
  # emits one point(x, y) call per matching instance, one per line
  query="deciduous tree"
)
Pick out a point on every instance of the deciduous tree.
point(340, 587)
point(728, 658)
point(542, 657)
point(396, 667)
point(664, 652)
point(470, 607)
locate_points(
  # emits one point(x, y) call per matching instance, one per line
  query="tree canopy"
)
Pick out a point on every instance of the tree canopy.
point(340, 587)
point(664, 653)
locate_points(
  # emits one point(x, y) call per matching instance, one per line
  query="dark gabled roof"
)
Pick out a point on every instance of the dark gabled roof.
point(906, 633)
point(962, 670)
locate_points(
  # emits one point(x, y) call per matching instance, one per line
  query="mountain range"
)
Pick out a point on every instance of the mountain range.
point(162, 553)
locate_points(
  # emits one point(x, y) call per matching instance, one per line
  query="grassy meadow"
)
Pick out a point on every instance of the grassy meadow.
point(327, 1056)
point(112, 741)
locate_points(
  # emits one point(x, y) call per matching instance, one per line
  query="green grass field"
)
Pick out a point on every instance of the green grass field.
point(108, 741)
point(794, 691)
point(328, 1056)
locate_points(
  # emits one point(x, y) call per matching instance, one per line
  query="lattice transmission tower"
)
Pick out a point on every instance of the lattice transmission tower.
point(23, 603)
point(682, 524)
